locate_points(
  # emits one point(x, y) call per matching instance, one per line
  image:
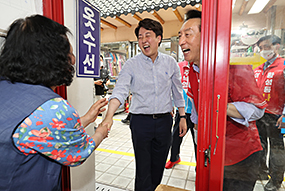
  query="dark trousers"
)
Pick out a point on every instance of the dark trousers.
point(267, 129)
point(151, 140)
point(176, 140)
point(243, 175)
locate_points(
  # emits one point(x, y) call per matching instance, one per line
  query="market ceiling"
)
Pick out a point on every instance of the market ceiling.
point(116, 13)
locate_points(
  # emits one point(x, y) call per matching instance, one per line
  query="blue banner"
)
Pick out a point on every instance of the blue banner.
point(88, 40)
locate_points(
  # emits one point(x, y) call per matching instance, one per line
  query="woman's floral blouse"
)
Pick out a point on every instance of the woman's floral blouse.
point(54, 129)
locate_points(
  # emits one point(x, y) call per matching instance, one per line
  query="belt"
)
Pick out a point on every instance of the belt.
point(154, 116)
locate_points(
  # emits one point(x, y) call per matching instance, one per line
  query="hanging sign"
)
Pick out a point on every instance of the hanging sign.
point(88, 40)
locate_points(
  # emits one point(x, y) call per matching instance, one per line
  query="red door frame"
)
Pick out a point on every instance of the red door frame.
point(53, 9)
point(214, 68)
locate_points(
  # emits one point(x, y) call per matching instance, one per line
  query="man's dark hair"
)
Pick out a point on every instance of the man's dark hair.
point(192, 14)
point(101, 56)
point(150, 24)
point(37, 51)
point(272, 38)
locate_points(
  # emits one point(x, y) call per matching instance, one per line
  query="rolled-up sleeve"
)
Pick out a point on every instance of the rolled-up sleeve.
point(54, 129)
point(122, 87)
point(249, 112)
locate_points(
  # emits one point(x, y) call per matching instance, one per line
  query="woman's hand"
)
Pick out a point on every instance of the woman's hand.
point(100, 134)
point(93, 112)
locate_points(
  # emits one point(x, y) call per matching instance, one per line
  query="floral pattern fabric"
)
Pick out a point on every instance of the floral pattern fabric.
point(54, 129)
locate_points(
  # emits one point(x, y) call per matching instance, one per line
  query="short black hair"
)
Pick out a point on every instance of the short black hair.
point(150, 24)
point(192, 14)
point(101, 56)
point(37, 51)
point(273, 39)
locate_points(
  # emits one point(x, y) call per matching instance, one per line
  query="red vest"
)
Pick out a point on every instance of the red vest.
point(184, 71)
point(193, 85)
point(271, 83)
point(242, 141)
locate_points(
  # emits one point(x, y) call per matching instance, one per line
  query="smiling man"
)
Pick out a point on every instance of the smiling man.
point(245, 105)
point(154, 79)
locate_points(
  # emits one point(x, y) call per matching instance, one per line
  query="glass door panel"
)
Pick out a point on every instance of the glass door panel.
point(254, 145)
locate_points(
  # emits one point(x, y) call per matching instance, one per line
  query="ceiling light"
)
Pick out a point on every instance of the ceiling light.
point(258, 6)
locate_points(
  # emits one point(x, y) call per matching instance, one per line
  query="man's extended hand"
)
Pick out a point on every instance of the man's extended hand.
point(108, 122)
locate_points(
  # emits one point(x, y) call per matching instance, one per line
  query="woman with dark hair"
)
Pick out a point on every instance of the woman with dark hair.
point(39, 130)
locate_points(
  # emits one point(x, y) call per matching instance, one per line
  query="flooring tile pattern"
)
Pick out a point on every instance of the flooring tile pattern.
point(116, 170)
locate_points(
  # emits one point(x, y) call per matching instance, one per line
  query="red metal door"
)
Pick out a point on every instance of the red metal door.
point(214, 65)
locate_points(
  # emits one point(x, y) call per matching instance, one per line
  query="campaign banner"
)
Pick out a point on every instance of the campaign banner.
point(88, 40)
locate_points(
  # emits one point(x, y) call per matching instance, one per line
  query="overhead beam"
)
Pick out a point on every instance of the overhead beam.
point(244, 3)
point(123, 21)
point(176, 12)
point(154, 13)
point(269, 5)
point(137, 17)
point(108, 24)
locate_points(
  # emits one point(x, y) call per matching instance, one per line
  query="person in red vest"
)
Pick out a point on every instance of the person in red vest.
point(270, 79)
point(245, 105)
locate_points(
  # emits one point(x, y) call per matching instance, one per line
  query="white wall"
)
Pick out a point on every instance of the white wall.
point(80, 95)
point(11, 10)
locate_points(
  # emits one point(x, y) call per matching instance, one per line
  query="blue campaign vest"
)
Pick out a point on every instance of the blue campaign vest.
point(18, 171)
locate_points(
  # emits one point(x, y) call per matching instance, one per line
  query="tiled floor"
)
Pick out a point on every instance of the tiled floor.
point(115, 163)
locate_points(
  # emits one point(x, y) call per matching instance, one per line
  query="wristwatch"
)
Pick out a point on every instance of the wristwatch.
point(183, 116)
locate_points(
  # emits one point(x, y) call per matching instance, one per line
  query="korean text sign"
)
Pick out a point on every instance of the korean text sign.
point(88, 40)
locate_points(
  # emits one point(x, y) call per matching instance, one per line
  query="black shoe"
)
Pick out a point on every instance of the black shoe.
point(271, 186)
point(125, 121)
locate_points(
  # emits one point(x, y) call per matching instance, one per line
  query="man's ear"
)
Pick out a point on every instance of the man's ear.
point(159, 38)
point(277, 47)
